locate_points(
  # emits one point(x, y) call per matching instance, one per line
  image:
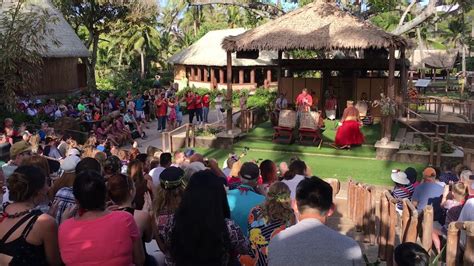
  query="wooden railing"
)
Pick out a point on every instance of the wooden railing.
point(409, 222)
point(361, 209)
point(461, 108)
point(388, 222)
point(167, 137)
point(453, 256)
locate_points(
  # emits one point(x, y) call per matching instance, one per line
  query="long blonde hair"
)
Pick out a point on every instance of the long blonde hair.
point(277, 206)
point(167, 200)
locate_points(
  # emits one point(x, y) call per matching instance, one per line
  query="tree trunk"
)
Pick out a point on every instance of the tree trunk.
point(91, 62)
point(142, 65)
point(463, 63)
point(427, 12)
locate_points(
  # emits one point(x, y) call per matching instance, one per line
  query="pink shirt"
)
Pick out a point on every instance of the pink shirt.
point(105, 241)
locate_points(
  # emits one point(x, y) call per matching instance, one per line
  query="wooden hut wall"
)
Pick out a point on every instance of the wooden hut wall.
point(59, 75)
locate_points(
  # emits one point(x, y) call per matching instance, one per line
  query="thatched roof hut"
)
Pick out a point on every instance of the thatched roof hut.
point(62, 72)
point(69, 43)
point(208, 51)
point(316, 26)
point(426, 58)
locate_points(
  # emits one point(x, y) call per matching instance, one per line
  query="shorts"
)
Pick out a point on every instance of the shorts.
point(139, 114)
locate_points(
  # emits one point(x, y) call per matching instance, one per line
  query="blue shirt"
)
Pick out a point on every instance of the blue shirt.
point(240, 204)
point(139, 103)
point(429, 193)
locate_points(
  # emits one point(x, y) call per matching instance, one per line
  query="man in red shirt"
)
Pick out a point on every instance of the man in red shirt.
point(198, 110)
point(205, 106)
point(191, 106)
point(161, 112)
point(304, 101)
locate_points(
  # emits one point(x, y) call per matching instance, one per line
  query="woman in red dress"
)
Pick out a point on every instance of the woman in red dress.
point(349, 132)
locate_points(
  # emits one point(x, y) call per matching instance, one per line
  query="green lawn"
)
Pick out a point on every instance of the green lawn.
point(364, 170)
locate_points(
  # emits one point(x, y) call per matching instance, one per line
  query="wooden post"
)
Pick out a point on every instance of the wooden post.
point(186, 140)
point(213, 78)
point(163, 142)
point(199, 74)
point(269, 75)
point(241, 76)
point(391, 234)
point(390, 91)
point(469, 249)
point(206, 74)
point(452, 244)
point(372, 193)
point(280, 53)
point(349, 187)
point(229, 91)
point(252, 76)
point(427, 228)
point(384, 224)
point(367, 214)
point(403, 73)
point(221, 75)
point(359, 207)
point(405, 219)
point(192, 78)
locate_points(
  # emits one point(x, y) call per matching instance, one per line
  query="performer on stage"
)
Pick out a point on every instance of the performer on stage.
point(304, 101)
point(330, 106)
point(349, 132)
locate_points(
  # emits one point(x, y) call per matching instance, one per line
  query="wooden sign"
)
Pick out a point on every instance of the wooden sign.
point(309, 120)
point(287, 118)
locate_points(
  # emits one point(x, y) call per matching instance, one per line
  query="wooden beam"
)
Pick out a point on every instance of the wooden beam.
point(213, 78)
point(280, 53)
point(199, 74)
point(252, 76)
point(387, 123)
point(339, 64)
point(206, 74)
point(403, 73)
point(241, 76)
point(221, 75)
point(229, 91)
point(269, 75)
point(192, 78)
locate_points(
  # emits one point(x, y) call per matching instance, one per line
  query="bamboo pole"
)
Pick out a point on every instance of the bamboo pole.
point(452, 244)
point(427, 240)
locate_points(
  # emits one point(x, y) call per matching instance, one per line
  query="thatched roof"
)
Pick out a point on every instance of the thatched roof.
point(69, 43)
point(207, 51)
point(424, 58)
point(316, 26)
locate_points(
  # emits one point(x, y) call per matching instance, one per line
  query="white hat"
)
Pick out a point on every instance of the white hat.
point(69, 163)
point(74, 152)
point(400, 177)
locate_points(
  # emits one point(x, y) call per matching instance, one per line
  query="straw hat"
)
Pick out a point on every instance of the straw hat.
point(400, 177)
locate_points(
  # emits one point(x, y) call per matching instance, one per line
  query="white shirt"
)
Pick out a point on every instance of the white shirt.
point(218, 102)
point(293, 183)
point(155, 175)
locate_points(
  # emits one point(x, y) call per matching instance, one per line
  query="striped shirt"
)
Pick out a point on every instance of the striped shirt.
point(64, 198)
point(402, 192)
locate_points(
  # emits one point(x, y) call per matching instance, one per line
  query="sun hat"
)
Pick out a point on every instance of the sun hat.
point(68, 165)
point(429, 172)
point(400, 177)
point(249, 171)
point(171, 177)
point(19, 147)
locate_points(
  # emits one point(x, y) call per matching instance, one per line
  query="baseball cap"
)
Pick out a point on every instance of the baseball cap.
point(400, 177)
point(429, 172)
point(19, 147)
point(171, 177)
point(189, 152)
point(249, 171)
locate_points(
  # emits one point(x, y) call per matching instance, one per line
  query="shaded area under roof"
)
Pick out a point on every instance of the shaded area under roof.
point(69, 43)
point(424, 58)
point(317, 26)
point(207, 51)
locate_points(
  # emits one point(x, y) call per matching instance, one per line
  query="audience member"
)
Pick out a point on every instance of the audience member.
point(245, 196)
point(203, 233)
point(165, 162)
point(428, 193)
point(412, 175)
point(310, 239)
point(403, 188)
point(269, 174)
point(97, 227)
point(410, 254)
point(142, 186)
point(295, 174)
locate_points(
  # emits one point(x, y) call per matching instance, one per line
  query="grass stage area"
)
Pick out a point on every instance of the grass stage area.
point(327, 162)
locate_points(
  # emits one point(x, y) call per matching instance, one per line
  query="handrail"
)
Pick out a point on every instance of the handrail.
point(438, 103)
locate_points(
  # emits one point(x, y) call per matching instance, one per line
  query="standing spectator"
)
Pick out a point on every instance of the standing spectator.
point(28, 236)
point(428, 193)
point(203, 233)
point(146, 108)
point(219, 107)
point(161, 111)
point(190, 105)
point(165, 162)
point(157, 82)
point(179, 113)
point(98, 228)
point(172, 113)
point(167, 199)
point(198, 105)
point(402, 190)
point(245, 197)
point(205, 107)
point(310, 239)
point(296, 173)
point(140, 107)
point(267, 220)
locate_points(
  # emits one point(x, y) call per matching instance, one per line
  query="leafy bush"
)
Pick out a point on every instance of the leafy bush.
point(209, 132)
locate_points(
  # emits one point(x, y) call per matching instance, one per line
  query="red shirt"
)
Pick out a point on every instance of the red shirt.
point(162, 107)
point(205, 101)
point(198, 102)
point(304, 101)
point(190, 103)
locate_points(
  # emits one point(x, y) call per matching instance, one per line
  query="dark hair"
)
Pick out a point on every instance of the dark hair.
point(112, 165)
point(200, 235)
point(88, 163)
point(314, 193)
point(438, 172)
point(118, 187)
point(89, 190)
point(165, 159)
point(25, 182)
point(411, 254)
point(297, 167)
point(266, 168)
point(143, 157)
point(411, 174)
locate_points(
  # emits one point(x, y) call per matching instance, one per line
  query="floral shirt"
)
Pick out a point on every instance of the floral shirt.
point(238, 242)
point(261, 231)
